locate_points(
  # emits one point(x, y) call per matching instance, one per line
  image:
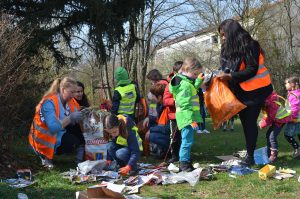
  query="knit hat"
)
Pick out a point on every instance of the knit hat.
point(121, 76)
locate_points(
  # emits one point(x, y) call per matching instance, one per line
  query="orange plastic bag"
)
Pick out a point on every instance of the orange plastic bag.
point(221, 103)
point(163, 119)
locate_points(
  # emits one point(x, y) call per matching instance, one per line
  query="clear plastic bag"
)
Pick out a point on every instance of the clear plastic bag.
point(191, 177)
point(221, 103)
point(87, 166)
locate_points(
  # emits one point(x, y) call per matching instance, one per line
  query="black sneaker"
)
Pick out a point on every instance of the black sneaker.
point(186, 166)
point(248, 161)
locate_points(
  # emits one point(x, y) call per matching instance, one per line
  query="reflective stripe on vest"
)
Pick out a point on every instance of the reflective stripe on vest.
point(40, 138)
point(194, 100)
point(261, 79)
point(152, 110)
point(283, 111)
point(123, 142)
point(128, 98)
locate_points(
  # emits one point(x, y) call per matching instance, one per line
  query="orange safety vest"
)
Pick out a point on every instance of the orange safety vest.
point(261, 79)
point(40, 138)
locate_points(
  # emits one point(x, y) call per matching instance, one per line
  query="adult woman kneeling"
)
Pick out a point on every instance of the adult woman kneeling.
point(51, 129)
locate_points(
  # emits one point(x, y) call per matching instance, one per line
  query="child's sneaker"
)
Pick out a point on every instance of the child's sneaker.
point(296, 153)
point(185, 166)
point(199, 131)
point(273, 156)
point(205, 131)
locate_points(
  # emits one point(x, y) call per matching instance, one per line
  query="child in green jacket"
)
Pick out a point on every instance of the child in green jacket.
point(184, 89)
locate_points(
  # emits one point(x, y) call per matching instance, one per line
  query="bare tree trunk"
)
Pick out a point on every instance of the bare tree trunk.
point(107, 81)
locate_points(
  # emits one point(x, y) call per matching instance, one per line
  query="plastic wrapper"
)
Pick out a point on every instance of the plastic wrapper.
point(261, 156)
point(221, 103)
point(18, 183)
point(87, 166)
point(241, 170)
point(173, 168)
point(191, 177)
point(92, 127)
point(22, 196)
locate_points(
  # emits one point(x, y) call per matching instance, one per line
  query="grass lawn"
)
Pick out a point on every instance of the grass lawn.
point(206, 147)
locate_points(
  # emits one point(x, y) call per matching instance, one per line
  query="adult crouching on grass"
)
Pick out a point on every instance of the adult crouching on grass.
point(49, 133)
point(242, 61)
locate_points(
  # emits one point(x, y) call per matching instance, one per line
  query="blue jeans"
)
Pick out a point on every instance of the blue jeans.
point(271, 136)
point(160, 135)
point(119, 153)
point(187, 139)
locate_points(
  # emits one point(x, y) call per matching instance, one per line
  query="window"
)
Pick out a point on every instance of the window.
point(214, 39)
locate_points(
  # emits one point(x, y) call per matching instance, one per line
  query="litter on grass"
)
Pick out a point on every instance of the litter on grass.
point(261, 156)
point(22, 196)
point(23, 179)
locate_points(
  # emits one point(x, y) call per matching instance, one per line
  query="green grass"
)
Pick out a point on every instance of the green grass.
point(206, 147)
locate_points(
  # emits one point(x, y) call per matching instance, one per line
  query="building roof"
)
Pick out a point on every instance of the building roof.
point(188, 36)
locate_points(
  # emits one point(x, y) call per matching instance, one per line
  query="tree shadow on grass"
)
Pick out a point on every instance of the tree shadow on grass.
point(36, 192)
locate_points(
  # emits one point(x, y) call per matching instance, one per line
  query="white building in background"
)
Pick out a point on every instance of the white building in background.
point(205, 44)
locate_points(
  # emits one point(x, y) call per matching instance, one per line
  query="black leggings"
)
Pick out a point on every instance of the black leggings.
point(248, 117)
point(292, 141)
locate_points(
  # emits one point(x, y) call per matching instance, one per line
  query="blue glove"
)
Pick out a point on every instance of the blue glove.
point(75, 117)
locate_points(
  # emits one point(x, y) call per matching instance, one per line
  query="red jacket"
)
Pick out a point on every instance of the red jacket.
point(169, 101)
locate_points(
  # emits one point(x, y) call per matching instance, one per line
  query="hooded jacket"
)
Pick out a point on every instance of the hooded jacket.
point(121, 76)
point(169, 101)
point(183, 89)
point(294, 100)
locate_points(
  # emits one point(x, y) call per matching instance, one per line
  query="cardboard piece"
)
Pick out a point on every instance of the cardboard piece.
point(98, 193)
point(227, 157)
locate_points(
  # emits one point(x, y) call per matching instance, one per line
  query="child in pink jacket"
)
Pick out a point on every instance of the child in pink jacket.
point(293, 127)
point(275, 121)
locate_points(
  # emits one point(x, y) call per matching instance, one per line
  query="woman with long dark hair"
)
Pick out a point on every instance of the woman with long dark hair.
point(80, 96)
point(242, 63)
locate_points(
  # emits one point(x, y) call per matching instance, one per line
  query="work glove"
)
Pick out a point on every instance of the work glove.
point(125, 170)
point(108, 162)
point(75, 117)
point(201, 76)
point(195, 126)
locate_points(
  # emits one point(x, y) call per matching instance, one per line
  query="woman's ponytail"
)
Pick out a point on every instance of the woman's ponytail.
point(54, 88)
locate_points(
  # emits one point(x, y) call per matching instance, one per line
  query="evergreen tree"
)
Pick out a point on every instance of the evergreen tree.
point(56, 21)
